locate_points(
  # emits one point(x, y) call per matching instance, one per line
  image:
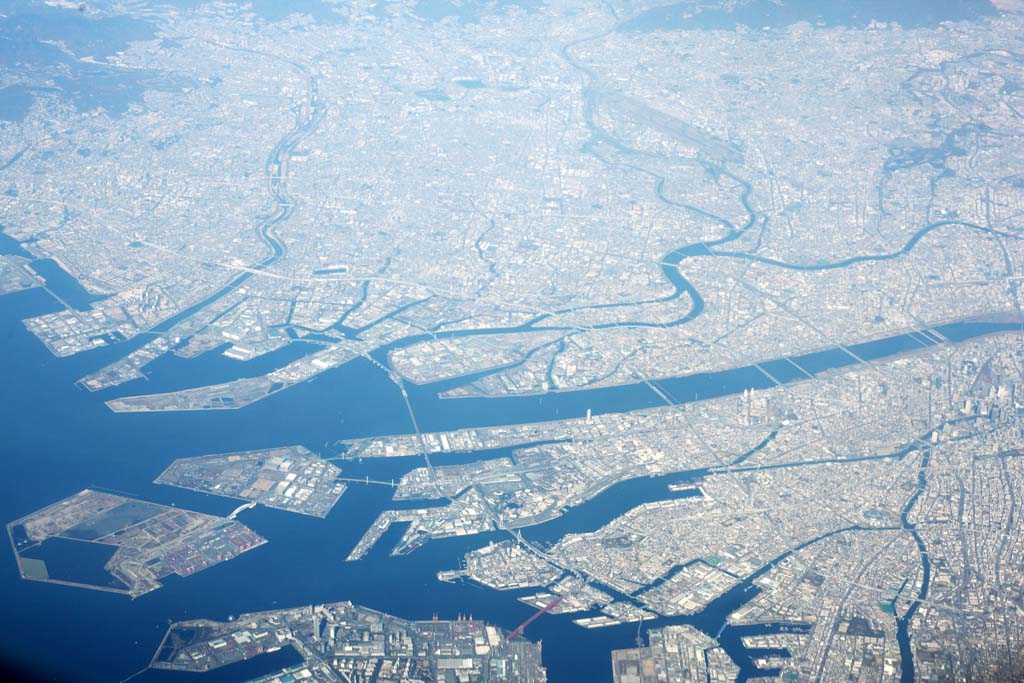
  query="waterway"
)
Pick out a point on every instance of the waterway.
point(245, 670)
point(903, 622)
point(59, 439)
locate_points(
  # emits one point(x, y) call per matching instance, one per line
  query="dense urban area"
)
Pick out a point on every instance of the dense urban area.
point(766, 257)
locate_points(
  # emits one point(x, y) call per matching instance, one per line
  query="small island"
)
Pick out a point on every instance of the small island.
point(290, 478)
point(112, 543)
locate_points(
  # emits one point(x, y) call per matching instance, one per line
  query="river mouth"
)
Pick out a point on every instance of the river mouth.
point(405, 585)
point(58, 437)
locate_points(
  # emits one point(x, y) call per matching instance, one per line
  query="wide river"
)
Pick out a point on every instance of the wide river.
point(59, 439)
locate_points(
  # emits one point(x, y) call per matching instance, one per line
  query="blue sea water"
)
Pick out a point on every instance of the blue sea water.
point(59, 439)
point(60, 281)
point(76, 561)
point(15, 101)
point(11, 246)
point(245, 670)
